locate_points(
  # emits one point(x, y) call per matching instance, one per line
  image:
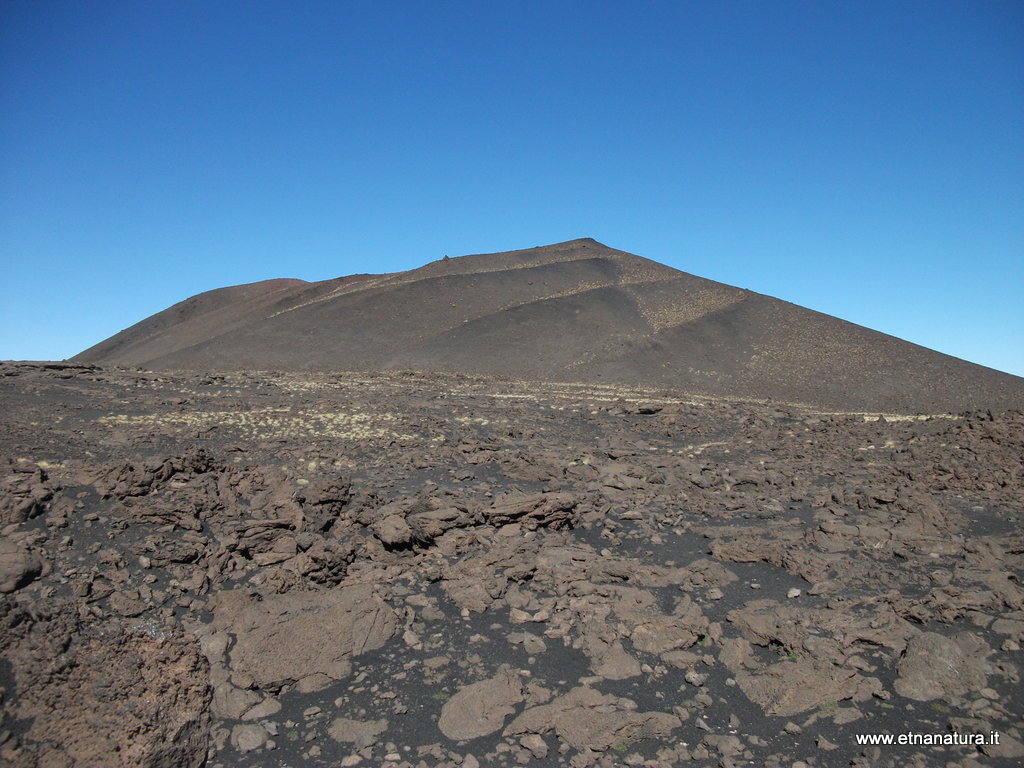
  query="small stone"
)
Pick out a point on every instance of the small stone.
point(724, 744)
point(537, 746)
point(846, 715)
point(792, 728)
point(411, 639)
point(393, 530)
point(715, 594)
point(269, 706)
point(362, 733)
point(694, 678)
point(793, 592)
point(533, 644)
point(232, 702)
point(247, 738)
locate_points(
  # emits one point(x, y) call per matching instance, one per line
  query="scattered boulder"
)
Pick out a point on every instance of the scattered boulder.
point(430, 524)
point(1008, 748)
point(232, 702)
point(537, 510)
point(393, 531)
point(481, 708)
point(18, 566)
point(323, 502)
point(586, 719)
point(934, 666)
point(247, 738)
point(285, 638)
point(25, 491)
point(361, 733)
point(788, 688)
point(609, 659)
point(705, 573)
point(661, 634)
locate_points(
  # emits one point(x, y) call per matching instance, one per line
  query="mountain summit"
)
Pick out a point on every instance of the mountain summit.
point(575, 311)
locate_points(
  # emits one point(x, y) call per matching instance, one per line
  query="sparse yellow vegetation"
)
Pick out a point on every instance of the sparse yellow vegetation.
point(268, 423)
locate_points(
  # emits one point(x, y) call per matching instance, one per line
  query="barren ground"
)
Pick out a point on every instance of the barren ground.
point(260, 569)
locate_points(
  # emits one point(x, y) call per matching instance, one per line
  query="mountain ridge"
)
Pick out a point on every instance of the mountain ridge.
point(572, 311)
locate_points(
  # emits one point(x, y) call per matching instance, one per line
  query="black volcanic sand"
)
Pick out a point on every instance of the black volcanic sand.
point(440, 570)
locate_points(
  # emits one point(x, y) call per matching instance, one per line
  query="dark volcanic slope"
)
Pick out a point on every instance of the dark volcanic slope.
point(576, 311)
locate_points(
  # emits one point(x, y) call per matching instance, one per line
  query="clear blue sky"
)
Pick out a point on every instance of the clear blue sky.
point(865, 159)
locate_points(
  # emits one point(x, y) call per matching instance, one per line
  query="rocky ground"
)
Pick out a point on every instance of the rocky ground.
point(405, 570)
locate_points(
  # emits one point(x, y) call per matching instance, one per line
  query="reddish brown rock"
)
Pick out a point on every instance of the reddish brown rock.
point(18, 566)
point(118, 696)
point(286, 638)
point(934, 666)
point(481, 708)
point(588, 720)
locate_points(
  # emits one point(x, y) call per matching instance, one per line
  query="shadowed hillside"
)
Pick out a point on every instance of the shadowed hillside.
point(575, 311)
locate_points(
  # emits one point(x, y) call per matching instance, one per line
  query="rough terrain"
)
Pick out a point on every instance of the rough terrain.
point(300, 569)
